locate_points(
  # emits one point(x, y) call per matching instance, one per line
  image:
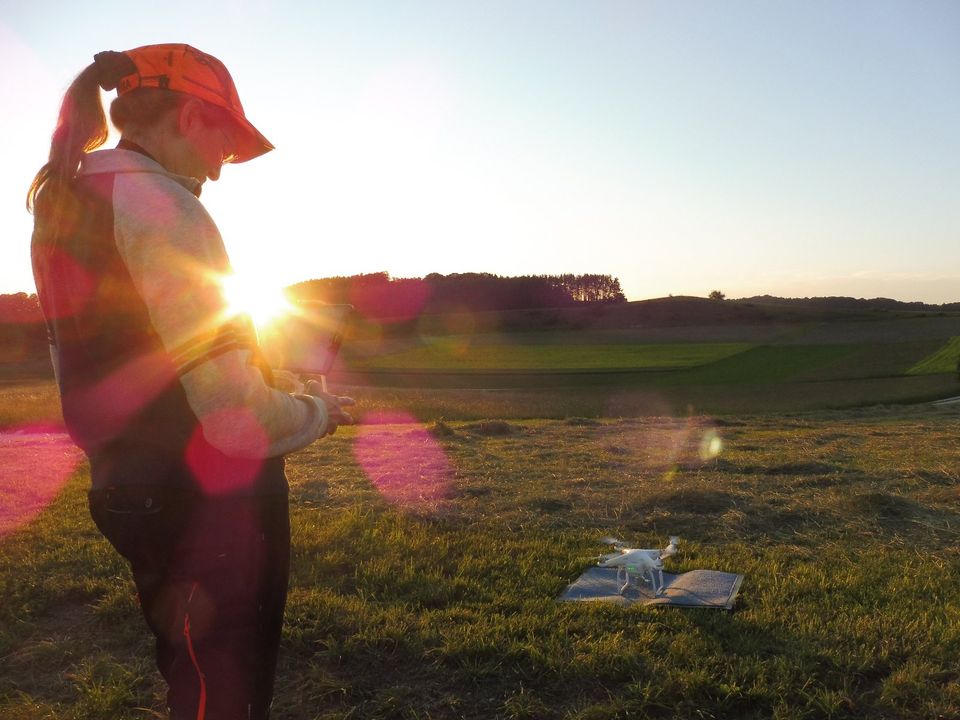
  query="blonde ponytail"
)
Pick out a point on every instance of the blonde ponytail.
point(81, 127)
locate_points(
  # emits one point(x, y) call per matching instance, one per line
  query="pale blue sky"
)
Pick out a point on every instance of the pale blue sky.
point(791, 148)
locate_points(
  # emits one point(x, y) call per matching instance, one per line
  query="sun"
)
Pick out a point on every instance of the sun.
point(248, 295)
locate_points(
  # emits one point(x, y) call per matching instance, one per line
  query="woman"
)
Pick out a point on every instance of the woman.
point(163, 390)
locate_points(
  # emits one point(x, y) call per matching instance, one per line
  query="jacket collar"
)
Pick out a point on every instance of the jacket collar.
point(130, 161)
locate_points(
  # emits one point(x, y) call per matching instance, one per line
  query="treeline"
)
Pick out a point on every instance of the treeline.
point(590, 288)
point(377, 295)
point(851, 303)
point(23, 336)
point(20, 308)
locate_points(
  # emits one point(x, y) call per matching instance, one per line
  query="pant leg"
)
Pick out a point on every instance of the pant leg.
point(275, 516)
point(145, 524)
point(212, 577)
point(233, 567)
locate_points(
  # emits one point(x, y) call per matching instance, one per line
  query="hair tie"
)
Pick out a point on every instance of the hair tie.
point(112, 67)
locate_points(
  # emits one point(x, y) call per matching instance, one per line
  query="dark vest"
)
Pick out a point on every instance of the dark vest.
point(122, 400)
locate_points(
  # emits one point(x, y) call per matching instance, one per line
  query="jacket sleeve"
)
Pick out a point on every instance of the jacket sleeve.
point(176, 259)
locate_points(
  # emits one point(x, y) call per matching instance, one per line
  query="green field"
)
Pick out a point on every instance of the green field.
point(559, 396)
point(943, 360)
point(461, 354)
point(29, 402)
point(821, 364)
point(872, 360)
point(437, 601)
point(767, 364)
point(710, 377)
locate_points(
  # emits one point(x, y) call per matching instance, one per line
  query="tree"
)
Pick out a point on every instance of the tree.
point(589, 287)
point(717, 295)
point(377, 295)
point(20, 308)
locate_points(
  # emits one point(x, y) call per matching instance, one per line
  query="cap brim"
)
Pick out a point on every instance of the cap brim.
point(249, 142)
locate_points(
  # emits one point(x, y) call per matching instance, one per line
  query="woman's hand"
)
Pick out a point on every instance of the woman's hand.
point(335, 404)
point(287, 382)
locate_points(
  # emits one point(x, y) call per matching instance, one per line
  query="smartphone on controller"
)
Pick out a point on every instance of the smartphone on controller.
point(308, 339)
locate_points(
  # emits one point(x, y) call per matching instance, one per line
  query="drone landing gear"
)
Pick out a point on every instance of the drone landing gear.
point(653, 576)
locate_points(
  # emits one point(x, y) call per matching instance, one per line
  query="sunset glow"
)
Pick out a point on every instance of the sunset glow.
point(263, 302)
point(762, 148)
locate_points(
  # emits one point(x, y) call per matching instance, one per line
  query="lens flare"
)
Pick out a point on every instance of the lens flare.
point(403, 461)
point(391, 301)
point(218, 473)
point(76, 283)
point(102, 411)
point(711, 445)
point(451, 334)
point(35, 464)
point(664, 445)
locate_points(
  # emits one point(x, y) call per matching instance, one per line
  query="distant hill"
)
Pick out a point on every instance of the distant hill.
point(841, 303)
point(684, 311)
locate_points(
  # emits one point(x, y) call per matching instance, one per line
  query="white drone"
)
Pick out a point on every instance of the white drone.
point(644, 563)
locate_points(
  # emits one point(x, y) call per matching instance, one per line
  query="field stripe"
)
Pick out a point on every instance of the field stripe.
point(943, 360)
point(453, 355)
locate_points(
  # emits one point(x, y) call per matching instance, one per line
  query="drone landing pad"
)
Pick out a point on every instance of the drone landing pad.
point(697, 588)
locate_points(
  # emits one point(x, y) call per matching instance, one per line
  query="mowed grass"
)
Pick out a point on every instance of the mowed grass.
point(944, 360)
point(427, 559)
point(29, 402)
point(34, 404)
point(458, 353)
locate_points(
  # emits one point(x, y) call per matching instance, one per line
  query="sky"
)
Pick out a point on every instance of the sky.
point(749, 146)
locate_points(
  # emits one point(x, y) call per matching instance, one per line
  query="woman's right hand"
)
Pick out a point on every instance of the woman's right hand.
point(334, 404)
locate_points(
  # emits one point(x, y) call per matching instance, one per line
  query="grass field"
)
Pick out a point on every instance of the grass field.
point(28, 402)
point(893, 351)
point(428, 552)
point(427, 559)
point(767, 364)
point(36, 402)
point(944, 360)
point(872, 360)
point(461, 354)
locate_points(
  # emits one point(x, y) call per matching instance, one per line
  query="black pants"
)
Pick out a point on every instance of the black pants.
point(212, 577)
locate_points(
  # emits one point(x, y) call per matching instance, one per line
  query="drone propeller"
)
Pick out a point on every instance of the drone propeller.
point(621, 546)
point(613, 541)
point(609, 556)
point(670, 549)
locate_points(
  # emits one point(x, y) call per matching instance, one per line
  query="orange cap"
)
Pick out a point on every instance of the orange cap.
point(185, 69)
